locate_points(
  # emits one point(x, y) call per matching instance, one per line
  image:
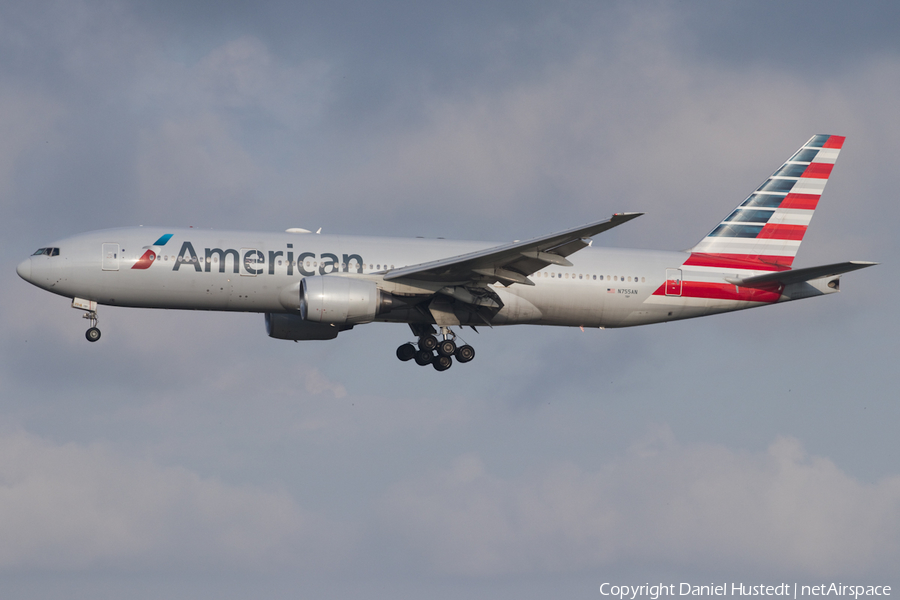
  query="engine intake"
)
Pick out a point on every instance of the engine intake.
point(342, 300)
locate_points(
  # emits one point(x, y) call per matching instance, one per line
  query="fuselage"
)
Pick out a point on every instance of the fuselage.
point(196, 269)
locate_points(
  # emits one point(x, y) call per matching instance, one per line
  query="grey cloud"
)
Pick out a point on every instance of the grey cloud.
point(69, 507)
point(780, 512)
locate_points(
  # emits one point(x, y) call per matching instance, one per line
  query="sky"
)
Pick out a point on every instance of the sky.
point(188, 455)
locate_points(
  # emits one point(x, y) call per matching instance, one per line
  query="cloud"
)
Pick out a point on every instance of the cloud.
point(206, 151)
point(27, 122)
point(690, 505)
point(73, 507)
point(191, 162)
point(631, 124)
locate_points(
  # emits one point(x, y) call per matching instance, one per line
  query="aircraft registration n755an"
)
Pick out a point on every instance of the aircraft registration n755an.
point(311, 287)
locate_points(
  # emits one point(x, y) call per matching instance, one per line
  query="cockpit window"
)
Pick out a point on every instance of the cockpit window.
point(54, 251)
point(39, 251)
point(46, 252)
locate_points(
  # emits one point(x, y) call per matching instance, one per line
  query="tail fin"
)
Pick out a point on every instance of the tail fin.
point(765, 231)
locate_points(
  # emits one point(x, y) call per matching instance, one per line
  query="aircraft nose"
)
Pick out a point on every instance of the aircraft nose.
point(24, 269)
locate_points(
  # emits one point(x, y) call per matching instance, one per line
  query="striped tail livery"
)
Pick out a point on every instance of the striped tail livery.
point(765, 231)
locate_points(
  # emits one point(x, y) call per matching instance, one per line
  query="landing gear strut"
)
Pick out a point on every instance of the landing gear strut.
point(92, 334)
point(438, 354)
point(90, 308)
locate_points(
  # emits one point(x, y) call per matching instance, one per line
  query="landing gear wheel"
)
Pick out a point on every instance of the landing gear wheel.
point(428, 342)
point(442, 363)
point(406, 352)
point(92, 334)
point(446, 348)
point(465, 353)
point(424, 357)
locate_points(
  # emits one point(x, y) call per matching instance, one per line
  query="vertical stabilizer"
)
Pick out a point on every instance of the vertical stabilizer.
point(767, 228)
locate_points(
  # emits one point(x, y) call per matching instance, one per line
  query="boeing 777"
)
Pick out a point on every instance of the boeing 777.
point(311, 286)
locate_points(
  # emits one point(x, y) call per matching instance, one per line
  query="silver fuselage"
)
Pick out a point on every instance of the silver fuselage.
point(255, 272)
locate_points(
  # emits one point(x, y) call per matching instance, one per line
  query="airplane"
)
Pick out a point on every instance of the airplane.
point(312, 286)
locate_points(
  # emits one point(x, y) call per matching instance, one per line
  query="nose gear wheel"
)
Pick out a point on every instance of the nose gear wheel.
point(92, 334)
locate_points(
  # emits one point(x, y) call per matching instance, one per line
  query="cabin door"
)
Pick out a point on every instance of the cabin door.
point(673, 282)
point(110, 258)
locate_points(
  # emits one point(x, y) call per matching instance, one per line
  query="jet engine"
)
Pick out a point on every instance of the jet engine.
point(342, 300)
point(293, 327)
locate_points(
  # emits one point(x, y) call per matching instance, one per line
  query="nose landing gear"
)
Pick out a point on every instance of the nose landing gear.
point(438, 354)
point(92, 334)
point(90, 308)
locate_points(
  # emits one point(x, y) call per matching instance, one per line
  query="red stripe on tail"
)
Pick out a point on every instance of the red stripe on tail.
point(805, 201)
point(818, 170)
point(782, 232)
point(725, 291)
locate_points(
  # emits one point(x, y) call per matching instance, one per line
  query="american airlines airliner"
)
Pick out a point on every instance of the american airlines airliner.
point(312, 286)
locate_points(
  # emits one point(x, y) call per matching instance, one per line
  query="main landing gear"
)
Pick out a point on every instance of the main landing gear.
point(438, 354)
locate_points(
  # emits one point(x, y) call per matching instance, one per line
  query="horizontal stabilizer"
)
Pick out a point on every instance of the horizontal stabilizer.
point(800, 275)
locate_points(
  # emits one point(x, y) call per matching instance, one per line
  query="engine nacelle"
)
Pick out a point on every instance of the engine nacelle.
point(341, 300)
point(293, 327)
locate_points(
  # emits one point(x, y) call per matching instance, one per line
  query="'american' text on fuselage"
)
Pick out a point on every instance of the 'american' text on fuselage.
point(254, 261)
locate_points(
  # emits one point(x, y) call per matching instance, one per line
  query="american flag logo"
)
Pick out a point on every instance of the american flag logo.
point(610, 290)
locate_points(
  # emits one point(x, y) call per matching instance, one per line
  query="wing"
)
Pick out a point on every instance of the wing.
point(509, 263)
